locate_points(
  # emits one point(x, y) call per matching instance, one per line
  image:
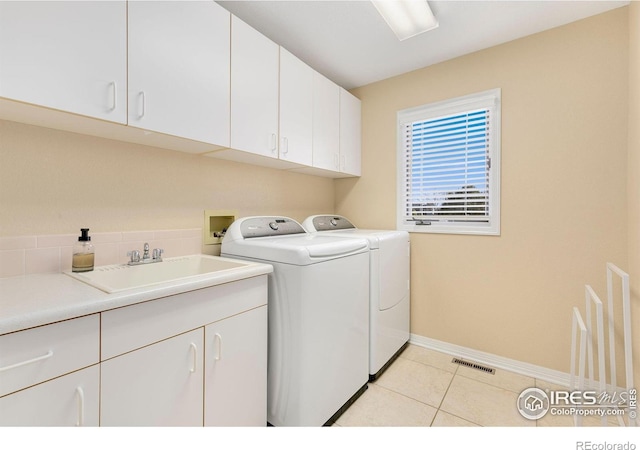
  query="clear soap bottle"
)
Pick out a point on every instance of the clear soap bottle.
point(83, 253)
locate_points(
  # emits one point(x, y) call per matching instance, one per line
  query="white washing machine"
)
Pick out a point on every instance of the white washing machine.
point(389, 286)
point(318, 317)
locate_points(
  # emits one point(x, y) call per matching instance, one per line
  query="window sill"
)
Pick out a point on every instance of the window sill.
point(467, 229)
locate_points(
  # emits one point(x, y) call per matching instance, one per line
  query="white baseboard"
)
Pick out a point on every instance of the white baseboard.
point(495, 361)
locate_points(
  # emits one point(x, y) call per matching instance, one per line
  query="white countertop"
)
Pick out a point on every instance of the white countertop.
point(33, 300)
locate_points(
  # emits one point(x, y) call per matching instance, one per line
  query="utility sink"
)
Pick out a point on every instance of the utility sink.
point(121, 277)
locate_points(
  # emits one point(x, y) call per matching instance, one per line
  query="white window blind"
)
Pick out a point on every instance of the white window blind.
point(448, 160)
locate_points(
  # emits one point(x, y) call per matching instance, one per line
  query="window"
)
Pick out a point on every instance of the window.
point(449, 166)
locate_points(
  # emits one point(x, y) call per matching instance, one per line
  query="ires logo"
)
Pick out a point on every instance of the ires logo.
point(588, 398)
point(534, 403)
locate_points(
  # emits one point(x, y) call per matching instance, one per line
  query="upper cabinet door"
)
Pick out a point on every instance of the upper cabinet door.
point(179, 69)
point(326, 123)
point(69, 56)
point(296, 108)
point(254, 91)
point(350, 133)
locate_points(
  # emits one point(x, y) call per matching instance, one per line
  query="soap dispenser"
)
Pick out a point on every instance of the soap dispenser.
point(83, 253)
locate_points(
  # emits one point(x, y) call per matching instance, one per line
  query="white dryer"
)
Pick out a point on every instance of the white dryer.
point(318, 317)
point(389, 286)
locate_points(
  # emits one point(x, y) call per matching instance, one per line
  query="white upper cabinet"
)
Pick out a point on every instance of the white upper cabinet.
point(254, 91)
point(336, 128)
point(350, 133)
point(179, 69)
point(183, 75)
point(69, 56)
point(296, 108)
point(326, 123)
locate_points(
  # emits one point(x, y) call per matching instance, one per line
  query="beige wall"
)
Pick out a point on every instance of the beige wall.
point(564, 204)
point(57, 182)
point(633, 177)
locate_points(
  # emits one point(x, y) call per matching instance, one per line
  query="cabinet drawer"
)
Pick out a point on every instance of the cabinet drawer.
point(132, 327)
point(32, 356)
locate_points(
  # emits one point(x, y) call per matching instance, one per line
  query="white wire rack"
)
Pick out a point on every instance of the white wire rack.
point(626, 329)
point(583, 334)
point(578, 325)
point(591, 299)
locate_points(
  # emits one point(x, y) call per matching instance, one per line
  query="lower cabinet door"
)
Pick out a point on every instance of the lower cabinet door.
point(157, 385)
point(236, 370)
point(70, 400)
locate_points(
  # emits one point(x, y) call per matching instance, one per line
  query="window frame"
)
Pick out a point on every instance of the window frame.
point(490, 99)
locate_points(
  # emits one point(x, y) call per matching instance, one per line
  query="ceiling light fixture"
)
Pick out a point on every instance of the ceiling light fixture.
point(407, 18)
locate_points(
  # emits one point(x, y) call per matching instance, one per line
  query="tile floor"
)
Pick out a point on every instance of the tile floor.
point(424, 388)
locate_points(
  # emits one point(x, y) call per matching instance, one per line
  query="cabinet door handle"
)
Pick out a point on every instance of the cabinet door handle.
point(30, 361)
point(285, 145)
point(343, 161)
point(114, 95)
point(80, 395)
point(274, 142)
point(194, 357)
point(142, 104)
point(336, 161)
point(218, 341)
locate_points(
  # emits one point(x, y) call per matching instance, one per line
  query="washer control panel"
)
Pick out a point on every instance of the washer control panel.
point(253, 227)
point(326, 223)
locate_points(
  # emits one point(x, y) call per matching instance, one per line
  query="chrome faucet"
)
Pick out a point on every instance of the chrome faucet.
point(157, 253)
point(135, 258)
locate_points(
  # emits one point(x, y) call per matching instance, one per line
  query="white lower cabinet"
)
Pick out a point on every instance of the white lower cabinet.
point(158, 385)
point(50, 376)
point(235, 370)
point(190, 359)
point(162, 384)
point(70, 400)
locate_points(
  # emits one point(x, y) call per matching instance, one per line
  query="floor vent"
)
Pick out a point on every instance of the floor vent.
point(473, 365)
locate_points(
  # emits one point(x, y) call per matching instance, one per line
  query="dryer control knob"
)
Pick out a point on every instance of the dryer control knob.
point(334, 222)
point(273, 226)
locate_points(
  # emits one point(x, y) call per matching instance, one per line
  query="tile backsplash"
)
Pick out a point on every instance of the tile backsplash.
point(25, 255)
